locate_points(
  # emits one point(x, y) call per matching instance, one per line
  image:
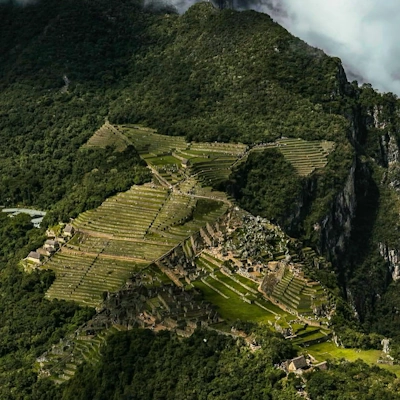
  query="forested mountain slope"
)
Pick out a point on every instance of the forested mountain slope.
point(209, 75)
point(192, 75)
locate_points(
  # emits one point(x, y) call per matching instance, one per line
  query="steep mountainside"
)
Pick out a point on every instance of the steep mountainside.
point(210, 76)
point(192, 75)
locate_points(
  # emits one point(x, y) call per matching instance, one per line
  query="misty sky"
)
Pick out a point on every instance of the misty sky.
point(363, 33)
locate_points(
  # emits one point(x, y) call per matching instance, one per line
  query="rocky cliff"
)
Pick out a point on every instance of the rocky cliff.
point(335, 229)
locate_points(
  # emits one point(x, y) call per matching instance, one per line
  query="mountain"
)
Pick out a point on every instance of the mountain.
point(321, 161)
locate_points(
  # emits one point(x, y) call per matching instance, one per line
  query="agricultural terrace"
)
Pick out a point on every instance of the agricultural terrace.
point(329, 351)
point(298, 294)
point(106, 136)
point(150, 144)
point(305, 156)
point(145, 250)
point(134, 229)
point(84, 278)
point(237, 297)
point(174, 159)
point(149, 213)
point(127, 232)
point(128, 215)
point(62, 361)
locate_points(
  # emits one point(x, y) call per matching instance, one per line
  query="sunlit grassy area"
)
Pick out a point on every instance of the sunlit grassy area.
point(234, 308)
point(329, 351)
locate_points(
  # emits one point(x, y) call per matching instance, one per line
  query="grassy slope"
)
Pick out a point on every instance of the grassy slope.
point(329, 351)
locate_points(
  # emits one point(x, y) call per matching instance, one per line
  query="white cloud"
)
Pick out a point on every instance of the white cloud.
point(363, 33)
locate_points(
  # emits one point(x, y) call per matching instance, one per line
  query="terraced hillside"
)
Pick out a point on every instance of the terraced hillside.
point(84, 278)
point(123, 235)
point(174, 159)
point(62, 361)
point(238, 297)
point(298, 294)
point(134, 228)
point(128, 215)
point(108, 135)
point(306, 156)
point(147, 236)
point(149, 144)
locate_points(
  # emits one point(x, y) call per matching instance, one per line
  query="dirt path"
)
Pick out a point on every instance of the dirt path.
point(163, 181)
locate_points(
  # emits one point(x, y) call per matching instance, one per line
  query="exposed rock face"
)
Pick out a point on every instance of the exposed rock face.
point(335, 229)
point(390, 157)
point(392, 150)
point(388, 143)
point(385, 345)
point(392, 256)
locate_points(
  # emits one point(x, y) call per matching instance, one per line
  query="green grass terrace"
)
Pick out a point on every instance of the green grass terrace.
point(298, 294)
point(148, 143)
point(129, 214)
point(144, 249)
point(108, 135)
point(84, 278)
point(305, 156)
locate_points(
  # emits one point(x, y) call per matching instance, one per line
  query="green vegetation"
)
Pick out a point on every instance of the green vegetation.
point(329, 351)
point(29, 323)
point(97, 174)
point(206, 76)
point(232, 307)
point(84, 279)
point(347, 380)
point(204, 365)
point(105, 79)
point(266, 185)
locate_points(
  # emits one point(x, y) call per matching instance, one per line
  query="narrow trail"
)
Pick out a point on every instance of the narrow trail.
point(162, 180)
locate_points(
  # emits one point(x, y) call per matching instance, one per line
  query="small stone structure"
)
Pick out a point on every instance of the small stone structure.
point(297, 363)
point(69, 230)
point(34, 257)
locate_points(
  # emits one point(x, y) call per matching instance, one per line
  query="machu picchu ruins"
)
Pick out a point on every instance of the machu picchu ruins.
point(177, 254)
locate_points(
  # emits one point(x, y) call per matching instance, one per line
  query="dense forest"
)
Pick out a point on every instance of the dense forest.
point(66, 67)
point(206, 365)
point(29, 323)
